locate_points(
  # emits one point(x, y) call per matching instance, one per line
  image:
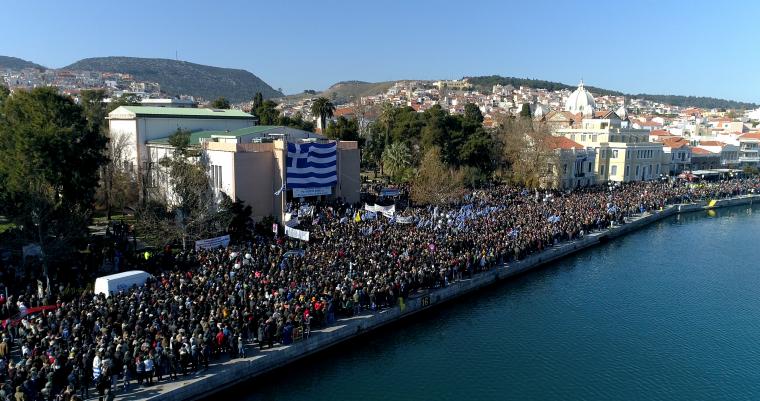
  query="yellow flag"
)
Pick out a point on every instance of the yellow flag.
point(712, 203)
point(401, 303)
point(358, 217)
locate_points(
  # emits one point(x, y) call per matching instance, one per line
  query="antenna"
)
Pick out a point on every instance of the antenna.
point(176, 55)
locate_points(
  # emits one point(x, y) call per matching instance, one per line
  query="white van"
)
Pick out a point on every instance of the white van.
point(120, 282)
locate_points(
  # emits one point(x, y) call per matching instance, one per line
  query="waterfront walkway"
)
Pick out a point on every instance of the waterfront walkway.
point(230, 372)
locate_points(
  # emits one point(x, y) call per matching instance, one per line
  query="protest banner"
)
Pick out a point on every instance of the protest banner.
point(212, 243)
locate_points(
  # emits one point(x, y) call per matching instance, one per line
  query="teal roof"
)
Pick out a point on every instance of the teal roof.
point(196, 137)
point(151, 111)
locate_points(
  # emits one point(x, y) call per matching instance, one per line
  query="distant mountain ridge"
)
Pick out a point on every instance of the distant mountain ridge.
point(183, 78)
point(486, 82)
point(16, 63)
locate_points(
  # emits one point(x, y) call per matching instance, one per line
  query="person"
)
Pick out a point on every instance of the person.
point(148, 370)
point(241, 347)
point(140, 369)
point(19, 396)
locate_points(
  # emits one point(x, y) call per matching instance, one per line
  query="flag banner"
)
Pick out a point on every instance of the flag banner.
point(275, 228)
point(212, 243)
point(311, 165)
point(292, 222)
point(369, 216)
point(389, 192)
point(316, 191)
point(297, 234)
point(712, 203)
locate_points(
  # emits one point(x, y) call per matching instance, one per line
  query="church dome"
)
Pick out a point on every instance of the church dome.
point(580, 101)
point(622, 112)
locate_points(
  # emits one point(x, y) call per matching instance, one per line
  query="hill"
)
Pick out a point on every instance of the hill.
point(15, 63)
point(486, 82)
point(345, 91)
point(182, 77)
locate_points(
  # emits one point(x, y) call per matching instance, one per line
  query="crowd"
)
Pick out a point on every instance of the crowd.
point(275, 290)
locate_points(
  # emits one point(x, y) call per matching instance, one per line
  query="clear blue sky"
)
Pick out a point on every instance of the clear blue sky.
point(678, 47)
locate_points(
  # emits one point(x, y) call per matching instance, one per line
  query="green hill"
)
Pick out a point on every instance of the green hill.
point(15, 63)
point(486, 82)
point(345, 91)
point(182, 77)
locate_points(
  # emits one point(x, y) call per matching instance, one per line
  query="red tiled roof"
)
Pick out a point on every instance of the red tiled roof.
point(660, 132)
point(711, 143)
point(750, 135)
point(343, 111)
point(675, 143)
point(560, 142)
point(701, 151)
point(649, 123)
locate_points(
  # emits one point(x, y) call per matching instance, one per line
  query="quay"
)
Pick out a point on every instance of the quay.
point(222, 375)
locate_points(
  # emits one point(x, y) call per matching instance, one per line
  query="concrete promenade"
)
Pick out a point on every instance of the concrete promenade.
point(221, 375)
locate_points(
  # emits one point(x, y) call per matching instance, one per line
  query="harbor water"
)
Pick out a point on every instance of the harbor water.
point(670, 312)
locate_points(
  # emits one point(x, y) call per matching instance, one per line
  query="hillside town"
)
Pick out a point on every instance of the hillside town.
point(72, 82)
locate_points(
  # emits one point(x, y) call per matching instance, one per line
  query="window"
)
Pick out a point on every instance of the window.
point(564, 168)
point(614, 154)
point(627, 170)
point(637, 170)
point(658, 169)
point(216, 176)
point(590, 167)
point(613, 170)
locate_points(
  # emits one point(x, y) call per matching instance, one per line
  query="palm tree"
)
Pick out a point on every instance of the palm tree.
point(386, 118)
point(324, 109)
point(396, 160)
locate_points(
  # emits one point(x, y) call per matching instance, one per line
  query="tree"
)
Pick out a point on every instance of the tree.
point(323, 109)
point(343, 129)
point(127, 99)
point(386, 119)
point(220, 103)
point(435, 183)
point(50, 157)
point(4, 93)
point(267, 113)
point(472, 113)
point(526, 151)
point(236, 218)
point(396, 161)
point(525, 111)
point(258, 99)
point(117, 183)
point(190, 212)
point(95, 110)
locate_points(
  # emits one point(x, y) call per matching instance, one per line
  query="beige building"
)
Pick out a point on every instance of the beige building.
point(245, 161)
point(574, 166)
point(622, 154)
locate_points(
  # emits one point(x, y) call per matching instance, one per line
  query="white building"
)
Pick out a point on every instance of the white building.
point(140, 124)
point(169, 102)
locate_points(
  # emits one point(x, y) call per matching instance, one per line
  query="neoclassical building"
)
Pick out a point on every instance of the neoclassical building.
point(621, 153)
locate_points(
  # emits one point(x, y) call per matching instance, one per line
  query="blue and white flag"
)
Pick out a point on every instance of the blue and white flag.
point(311, 165)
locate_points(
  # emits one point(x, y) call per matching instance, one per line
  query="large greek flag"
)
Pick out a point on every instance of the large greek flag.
point(311, 165)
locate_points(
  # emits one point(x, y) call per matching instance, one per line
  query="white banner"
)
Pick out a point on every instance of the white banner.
point(296, 233)
point(405, 220)
point(211, 243)
point(387, 211)
point(304, 192)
